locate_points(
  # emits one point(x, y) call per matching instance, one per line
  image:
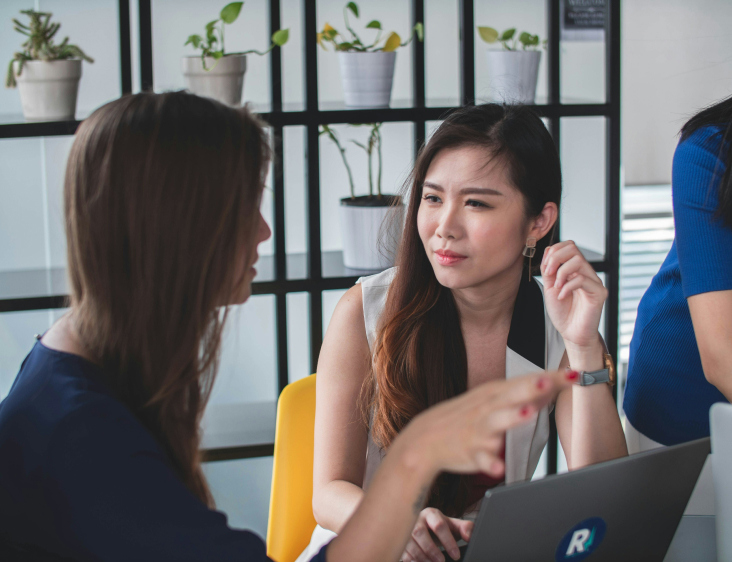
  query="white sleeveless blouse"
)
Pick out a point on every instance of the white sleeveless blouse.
point(534, 344)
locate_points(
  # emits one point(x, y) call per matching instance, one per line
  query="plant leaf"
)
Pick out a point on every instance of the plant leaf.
point(373, 24)
point(194, 40)
point(419, 29)
point(508, 34)
point(230, 12)
point(392, 42)
point(280, 37)
point(210, 25)
point(345, 46)
point(488, 34)
point(217, 54)
point(353, 7)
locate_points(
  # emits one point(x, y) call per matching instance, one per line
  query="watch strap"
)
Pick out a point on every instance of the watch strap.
point(588, 378)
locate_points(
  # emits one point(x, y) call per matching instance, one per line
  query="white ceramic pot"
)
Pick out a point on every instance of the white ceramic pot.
point(224, 81)
point(48, 89)
point(512, 75)
point(367, 78)
point(370, 235)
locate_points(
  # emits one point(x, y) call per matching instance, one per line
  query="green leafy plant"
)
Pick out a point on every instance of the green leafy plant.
point(212, 45)
point(509, 40)
point(354, 42)
point(372, 146)
point(39, 45)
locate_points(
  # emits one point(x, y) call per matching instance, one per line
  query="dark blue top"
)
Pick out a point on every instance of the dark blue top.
point(667, 397)
point(81, 478)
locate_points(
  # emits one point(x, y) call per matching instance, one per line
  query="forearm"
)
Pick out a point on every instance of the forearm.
point(334, 504)
point(596, 432)
point(383, 522)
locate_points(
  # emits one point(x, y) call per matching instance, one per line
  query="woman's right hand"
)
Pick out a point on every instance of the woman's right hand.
point(465, 434)
point(447, 530)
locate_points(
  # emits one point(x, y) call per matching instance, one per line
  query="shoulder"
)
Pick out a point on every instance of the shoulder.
point(382, 279)
point(698, 155)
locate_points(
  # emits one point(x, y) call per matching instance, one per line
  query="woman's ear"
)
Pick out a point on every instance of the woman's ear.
point(544, 221)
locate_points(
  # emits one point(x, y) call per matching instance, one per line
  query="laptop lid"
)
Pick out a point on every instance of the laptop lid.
point(625, 509)
point(720, 421)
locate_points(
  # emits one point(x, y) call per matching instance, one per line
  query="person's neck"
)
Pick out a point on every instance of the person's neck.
point(63, 336)
point(489, 306)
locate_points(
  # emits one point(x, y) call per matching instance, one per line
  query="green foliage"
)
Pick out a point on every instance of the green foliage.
point(373, 144)
point(212, 45)
point(509, 40)
point(354, 43)
point(39, 45)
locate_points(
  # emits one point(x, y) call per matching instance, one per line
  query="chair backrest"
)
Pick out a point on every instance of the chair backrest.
point(291, 521)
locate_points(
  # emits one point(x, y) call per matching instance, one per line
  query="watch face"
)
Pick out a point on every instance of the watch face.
point(610, 366)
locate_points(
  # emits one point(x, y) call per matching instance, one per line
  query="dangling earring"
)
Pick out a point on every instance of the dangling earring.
point(529, 251)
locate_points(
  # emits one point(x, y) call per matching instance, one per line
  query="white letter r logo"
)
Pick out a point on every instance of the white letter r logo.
point(577, 544)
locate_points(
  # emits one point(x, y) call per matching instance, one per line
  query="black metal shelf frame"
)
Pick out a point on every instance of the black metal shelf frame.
point(311, 117)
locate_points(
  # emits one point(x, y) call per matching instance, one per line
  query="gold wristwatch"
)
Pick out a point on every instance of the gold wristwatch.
point(606, 375)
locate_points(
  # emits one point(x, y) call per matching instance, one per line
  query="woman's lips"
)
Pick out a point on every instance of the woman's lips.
point(446, 257)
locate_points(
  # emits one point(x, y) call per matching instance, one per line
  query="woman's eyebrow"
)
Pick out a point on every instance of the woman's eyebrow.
point(465, 190)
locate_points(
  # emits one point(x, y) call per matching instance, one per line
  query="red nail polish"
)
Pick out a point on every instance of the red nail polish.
point(524, 411)
point(542, 383)
point(572, 375)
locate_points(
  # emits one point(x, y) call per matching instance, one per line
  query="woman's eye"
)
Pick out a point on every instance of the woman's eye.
point(474, 203)
point(431, 198)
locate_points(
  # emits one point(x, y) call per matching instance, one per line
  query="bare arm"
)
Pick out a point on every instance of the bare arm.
point(711, 315)
point(340, 434)
point(587, 418)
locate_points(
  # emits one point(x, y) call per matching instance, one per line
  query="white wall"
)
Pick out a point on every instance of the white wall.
point(677, 58)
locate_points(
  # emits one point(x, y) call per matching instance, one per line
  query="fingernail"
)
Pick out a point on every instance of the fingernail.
point(572, 375)
point(542, 383)
point(455, 554)
point(524, 411)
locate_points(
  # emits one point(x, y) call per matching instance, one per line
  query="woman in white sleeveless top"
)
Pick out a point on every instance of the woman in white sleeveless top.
point(460, 309)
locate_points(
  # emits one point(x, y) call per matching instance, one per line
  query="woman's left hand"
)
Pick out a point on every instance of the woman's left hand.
point(573, 293)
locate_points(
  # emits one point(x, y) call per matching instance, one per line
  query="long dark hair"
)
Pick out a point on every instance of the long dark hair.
point(718, 115)
point(419, 355)
point(161, 197)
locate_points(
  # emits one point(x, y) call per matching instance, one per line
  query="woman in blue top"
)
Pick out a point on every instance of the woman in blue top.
point(99, 435)
point(681, 352)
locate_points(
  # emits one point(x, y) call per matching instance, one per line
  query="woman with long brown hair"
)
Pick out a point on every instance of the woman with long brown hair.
point(100, 433)
point(460, 309)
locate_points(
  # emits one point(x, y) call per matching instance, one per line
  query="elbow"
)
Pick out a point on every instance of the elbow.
point(716, 369)
point(318, 511)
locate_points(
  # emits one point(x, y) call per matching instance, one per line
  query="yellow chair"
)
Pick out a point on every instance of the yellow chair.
point(291, 521)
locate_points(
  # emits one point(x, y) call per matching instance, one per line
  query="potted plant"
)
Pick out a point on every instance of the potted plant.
point(47, 75)
point(513, 72)
point(216, 73)
point(367, 69)
point(370, 235)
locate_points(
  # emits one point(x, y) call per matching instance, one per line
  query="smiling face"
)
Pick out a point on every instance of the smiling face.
point(472, 221)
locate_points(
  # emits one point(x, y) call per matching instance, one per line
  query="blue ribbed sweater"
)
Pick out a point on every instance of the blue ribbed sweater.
point(667, 397)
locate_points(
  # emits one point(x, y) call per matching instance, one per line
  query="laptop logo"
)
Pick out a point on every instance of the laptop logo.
point(581, 540)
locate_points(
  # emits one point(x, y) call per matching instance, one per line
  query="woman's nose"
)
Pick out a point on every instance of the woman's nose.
point(264, 230)
point(448, 226)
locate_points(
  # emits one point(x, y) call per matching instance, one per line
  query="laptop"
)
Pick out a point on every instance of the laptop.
point(720, 421)
point(625, 509)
